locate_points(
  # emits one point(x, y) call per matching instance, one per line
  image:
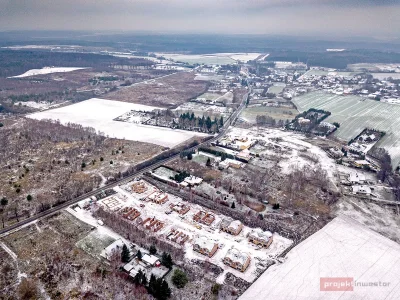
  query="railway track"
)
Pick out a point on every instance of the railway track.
point(55, 209)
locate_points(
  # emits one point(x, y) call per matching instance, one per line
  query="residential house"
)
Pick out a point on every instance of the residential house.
point(260, 237)
point(231, 226)
point(237, 259)
point(205, 246)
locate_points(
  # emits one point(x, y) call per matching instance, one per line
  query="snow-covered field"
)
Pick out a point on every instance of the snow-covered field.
point(212, 59)
point(99, 114)
point(343, 248)
point(46, 70)
point(354, 114)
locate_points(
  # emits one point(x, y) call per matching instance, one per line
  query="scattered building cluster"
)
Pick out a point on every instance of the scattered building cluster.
point(237, 143)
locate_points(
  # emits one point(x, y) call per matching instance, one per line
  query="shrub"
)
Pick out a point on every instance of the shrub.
point(275, 206)
point(125, 254)
point(215, 288)
point(153, 249)
point(179, 279)
point(4, 201)
point(29, 197)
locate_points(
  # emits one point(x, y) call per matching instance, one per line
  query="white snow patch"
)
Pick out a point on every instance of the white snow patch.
point(100, 113)
point(343, 248)
point(46, 70)
point(9, 251)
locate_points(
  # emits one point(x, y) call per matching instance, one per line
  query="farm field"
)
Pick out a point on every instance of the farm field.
point(276, 89)
point(383, 76)
point(249, 114)
point(99, 114)
point(212, 59)
point(373, 67)
point(326, 73)
point(355, 114)
point(168, 91)
point(343, 248)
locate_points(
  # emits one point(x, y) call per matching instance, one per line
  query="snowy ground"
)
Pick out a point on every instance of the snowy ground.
point(99, 114)
point(186, 225)
point(292, 145)
point(343, 248)
point(41, 105)
point(212, 59)
point(46, 70)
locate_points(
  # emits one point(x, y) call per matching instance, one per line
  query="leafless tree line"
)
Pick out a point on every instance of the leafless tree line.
point(137, 234)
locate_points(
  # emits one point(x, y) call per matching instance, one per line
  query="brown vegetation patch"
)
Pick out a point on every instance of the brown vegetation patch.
point(258, 207)
point(170, 91)
point(55, 163)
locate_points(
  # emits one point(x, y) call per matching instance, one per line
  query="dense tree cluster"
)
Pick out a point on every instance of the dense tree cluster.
point(190, 121)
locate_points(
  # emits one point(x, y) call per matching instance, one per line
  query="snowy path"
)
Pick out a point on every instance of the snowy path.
point(9, 251)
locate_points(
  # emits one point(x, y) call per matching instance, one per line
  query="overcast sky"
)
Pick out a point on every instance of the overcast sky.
point(291, 17)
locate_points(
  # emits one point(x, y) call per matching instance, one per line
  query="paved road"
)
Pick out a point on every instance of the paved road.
point(228, 122)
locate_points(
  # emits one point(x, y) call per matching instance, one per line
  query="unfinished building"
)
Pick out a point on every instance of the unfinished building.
point(204, 217)
point(205, 246)
point(177, 236)
point(260, 237)
point(139, 187)
point(153, 224)
point(158, 197)
point(237, 259)
point(130, 213)
point(180, 208)
point(231, 226)
point(112, 203)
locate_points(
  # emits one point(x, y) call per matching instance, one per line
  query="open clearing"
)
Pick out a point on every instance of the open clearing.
point(354, 114)
point(276, 89)
point(250, 114)
point(343, 248)
point(46, 70)
point(168, 91)
point(99, 114)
